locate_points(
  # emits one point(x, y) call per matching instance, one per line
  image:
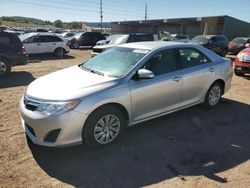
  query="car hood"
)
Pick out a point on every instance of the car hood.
point(66, 84)
point(234, 45)
point(104, 46)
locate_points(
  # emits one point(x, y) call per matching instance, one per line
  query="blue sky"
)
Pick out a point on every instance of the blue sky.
point(119, 10)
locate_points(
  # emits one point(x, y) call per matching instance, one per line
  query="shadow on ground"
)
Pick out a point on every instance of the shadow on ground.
point(195, 141)
point(15, 79)
point(37, 58)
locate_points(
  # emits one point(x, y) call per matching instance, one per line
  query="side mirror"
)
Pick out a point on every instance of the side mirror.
point(145, 74)
point(247, 45)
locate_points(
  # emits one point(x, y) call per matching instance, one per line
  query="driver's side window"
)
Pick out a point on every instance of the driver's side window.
point(162, 62)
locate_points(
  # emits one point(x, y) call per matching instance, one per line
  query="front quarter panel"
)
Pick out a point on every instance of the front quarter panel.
point(119, 94)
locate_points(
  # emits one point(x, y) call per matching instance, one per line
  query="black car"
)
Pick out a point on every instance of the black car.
point(238, 44)
point(12, 52)
point(216, 43)
point(85, 39)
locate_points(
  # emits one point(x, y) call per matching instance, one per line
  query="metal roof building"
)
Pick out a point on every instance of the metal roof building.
point(221, 25)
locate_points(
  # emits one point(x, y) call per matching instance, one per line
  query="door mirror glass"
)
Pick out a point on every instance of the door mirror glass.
point(145, 74)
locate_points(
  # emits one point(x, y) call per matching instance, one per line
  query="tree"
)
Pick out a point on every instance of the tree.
point(75, 25)
point(58, 23)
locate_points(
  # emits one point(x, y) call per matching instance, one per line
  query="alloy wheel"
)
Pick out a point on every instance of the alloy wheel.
point(214, 95)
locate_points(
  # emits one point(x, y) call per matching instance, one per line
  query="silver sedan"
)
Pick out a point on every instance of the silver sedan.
point(94, 101)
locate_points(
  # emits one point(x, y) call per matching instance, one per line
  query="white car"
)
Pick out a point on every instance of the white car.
point(37, 43)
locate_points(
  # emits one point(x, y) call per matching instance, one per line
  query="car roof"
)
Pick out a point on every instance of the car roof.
point(156, 44)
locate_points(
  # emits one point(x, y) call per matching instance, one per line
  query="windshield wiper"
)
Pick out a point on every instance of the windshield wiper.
point(93, 71)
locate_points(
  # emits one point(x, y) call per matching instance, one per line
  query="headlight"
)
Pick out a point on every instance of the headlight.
point(244, 57)
point(55, 108)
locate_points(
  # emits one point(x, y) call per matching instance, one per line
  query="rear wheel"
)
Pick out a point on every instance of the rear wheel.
point(76, 45)
point(5, 67)
point(59, 52)
point(103, 126)
point(213, 95)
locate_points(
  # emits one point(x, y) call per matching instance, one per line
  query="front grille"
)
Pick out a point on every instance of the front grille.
point(31, 130)
point(97, 50)
point(30, 104)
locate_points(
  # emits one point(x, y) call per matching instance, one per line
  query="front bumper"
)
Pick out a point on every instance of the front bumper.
point(60, 130)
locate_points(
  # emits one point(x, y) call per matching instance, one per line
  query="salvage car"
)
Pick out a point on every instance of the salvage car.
point(40, 43)
point(242, 63)
point(216, 43)
point(93, 102)
point(12, 52)
point(238, 44)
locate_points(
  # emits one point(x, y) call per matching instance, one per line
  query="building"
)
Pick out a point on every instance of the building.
point(221, 25)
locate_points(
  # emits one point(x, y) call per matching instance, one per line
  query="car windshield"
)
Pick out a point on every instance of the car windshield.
point(24, 36)
point(200, 39)
point(115, 62)
point(77, 35)
point(239, 40)
point(119, 39)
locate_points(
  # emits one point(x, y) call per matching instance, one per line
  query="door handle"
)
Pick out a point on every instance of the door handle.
point(211, 69)
point(38, 44)
point(54, 43)
point(177, 78)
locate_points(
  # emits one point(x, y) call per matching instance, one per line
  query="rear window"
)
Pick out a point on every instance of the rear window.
point(4, 39)
point(14, 39)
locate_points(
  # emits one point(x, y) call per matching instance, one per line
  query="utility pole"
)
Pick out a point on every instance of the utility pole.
point(101, 16)
point(146, 11)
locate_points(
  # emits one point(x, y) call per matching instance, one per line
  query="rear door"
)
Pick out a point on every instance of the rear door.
point(33, 45)
point(50, 43)
point(197, 73)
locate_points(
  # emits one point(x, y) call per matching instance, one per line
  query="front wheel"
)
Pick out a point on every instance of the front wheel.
point(103, 126)
point(238, 73)
point(213, 95)
point(5, 67)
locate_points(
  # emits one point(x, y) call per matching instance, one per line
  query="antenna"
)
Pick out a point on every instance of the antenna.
point(146, 11)
point(101, 16)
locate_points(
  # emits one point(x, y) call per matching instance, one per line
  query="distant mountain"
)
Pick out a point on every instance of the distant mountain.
point(39, 22)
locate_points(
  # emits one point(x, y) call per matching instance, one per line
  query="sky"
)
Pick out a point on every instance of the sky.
point(120, 10)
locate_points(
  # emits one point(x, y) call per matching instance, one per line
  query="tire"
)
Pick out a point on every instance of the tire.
point(238, 73)
point(224, 53)
point(5, 67)
point(95, 132)
point(213, 95)
point(76, 45)
point(59, 52)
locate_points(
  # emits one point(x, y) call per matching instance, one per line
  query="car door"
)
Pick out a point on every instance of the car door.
point(151, 97)
point(85, 39)
point(33, 44)
point(197, 72)
point(50, 43)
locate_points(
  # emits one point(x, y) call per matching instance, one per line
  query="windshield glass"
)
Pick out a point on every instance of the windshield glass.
point(24, 36)
point(115, 62)
point(77, 35)
point(200, 39)
point(119, 39)
point(239, 40)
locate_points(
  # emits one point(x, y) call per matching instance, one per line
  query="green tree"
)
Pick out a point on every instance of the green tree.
point(75, 25)
point(58, 23)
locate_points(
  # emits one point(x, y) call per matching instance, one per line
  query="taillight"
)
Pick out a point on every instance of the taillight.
point(23, 51)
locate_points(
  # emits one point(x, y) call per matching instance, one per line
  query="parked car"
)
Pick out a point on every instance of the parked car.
point(242, 63)
point(38, 43)
point(122, 39)
point(238, 44)
point(12, 52)
point(93, 102)
point(85, 39)
point(216, 43)
point(68, 34)
point(107, 40)
point(176, 38)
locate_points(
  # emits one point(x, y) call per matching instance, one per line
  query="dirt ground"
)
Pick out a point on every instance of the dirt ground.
point(195, 147)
